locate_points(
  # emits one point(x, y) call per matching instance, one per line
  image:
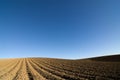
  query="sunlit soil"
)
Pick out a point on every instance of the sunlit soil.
point(58, 69)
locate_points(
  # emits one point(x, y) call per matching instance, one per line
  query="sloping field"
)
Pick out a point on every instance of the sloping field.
point(60, 69)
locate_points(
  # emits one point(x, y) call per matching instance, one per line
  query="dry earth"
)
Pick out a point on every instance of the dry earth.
point(101, 68)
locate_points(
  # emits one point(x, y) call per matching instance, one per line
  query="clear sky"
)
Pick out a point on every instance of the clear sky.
point(70, 29)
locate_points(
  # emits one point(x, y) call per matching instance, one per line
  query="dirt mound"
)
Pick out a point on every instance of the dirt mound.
point(110, 58)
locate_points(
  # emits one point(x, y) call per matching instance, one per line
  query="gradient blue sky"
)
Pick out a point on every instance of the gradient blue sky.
point(59, 28)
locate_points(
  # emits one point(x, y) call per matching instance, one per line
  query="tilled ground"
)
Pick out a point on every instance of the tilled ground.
point(58, 69)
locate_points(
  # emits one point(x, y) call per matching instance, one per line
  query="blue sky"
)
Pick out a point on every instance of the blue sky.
point(69, 29)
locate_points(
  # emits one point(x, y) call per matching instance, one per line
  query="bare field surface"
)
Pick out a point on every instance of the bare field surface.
point(60, 69)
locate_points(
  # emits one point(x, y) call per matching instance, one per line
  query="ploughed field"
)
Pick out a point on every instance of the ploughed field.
point(60, 69)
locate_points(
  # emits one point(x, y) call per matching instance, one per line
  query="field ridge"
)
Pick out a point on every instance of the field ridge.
point(98, 68)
